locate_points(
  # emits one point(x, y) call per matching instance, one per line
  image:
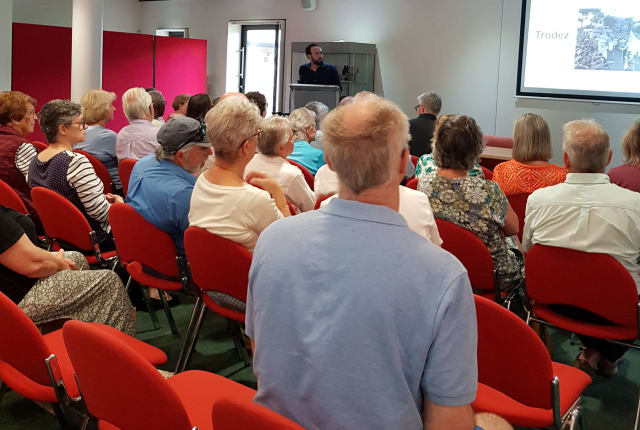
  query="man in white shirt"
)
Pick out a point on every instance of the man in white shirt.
point(588, 213)
point(139, 137)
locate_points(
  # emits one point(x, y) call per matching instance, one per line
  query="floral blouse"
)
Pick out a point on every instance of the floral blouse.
point(426, 165)
point(481, 207)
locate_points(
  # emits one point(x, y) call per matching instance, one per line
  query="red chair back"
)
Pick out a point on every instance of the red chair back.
point(138, 240)
point(118, 385)
point(23, 347)
point(498, 141)
point(472, 253)
point(216, 263)
point(61, 219)
point(414, 160)
point(39, 145)
point(518, 203)
point(322, 199)
point(488, 174)
point(597, 283)
point(124, 171)
point(229, 413)
point(412, 183)
point(511, 358)
point(101, 171)
point(10, 199)
point(307, 174)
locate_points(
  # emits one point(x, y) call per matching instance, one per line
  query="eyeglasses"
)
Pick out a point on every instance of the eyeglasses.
point(416, 107)
point(257, 133)
point(82, 123)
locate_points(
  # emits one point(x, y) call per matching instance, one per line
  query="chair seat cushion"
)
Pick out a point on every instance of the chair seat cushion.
point(92, 260)
point(198, 390)
point(600, 331)
point(572, 383)
point(225, 312)
point(25, 386)
point(136, 271)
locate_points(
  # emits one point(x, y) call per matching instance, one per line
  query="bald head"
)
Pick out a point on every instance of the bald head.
point(585, 146)
point(364, 142)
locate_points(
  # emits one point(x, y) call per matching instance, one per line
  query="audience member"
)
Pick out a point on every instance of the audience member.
point(222, 202)
point(17, 120)
point(471, 202)
point(426, 164)
point(139, 137)
point(157, 100)
point(274, 144)
point(346, 100)
point(530, 168)
point(97, 110)
point(337, 295)
point(50, 286)
point(421, 128)
point(258, 99)
point(198, 106)
point(68, 173)
point(321, 110)
point(588, 213)
point(325, 182)
point(179, 106)
point(161, 184)
point(628, 175)
point(303, 124)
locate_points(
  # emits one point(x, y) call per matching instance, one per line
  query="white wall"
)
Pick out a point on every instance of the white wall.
point(6, 7)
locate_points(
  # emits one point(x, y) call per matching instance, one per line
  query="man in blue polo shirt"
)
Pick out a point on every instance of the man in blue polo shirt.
point(356, 321)
point(160, 185)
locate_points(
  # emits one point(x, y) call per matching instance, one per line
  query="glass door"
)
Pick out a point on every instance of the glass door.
point(259, 61)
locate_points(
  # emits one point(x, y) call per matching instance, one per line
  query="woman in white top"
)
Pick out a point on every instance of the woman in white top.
point(274, 144)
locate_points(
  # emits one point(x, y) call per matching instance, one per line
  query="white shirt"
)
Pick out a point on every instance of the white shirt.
point(239, 214)
point(136, 140)
point(288, 176)
point(416, 210)
point(587, 213)
point(325, 182)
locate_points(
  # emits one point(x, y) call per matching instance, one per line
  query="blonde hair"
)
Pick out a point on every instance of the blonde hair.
point(631, 145)
point(531, 139)
point(275, 131)
point(586, 144)
point(135, 103)
point(300, 119)
point(229, 123)
point(96, 104)
point(363, 140)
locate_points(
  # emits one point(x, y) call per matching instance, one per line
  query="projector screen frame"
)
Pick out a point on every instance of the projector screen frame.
point(567, 96)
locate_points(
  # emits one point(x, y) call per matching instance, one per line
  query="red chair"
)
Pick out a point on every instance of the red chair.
point(65, 225)
point(412, 183)
point(321, 199)
point(517, 379)
point(474, 256)
point(101, 171)
point(10, 199)
point(124, 391)
point(496, 141)
point(414, 160)
point(39, 145)
point(216, 264)
point(124, 171)
point(518, 203)
point(307, 174)
point(488, 174)
point(149, 254)
point(24, 354)
point(233, 414)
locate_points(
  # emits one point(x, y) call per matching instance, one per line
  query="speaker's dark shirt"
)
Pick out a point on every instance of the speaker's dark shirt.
point(421, 130)
point(327, 74)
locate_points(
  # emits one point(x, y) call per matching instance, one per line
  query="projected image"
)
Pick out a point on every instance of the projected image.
point(607, 42)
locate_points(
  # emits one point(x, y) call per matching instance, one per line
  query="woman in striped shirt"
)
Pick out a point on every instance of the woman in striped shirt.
point(68, 173)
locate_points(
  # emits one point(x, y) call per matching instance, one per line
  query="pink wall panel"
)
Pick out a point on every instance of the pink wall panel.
point(41, 64)
point(127, 61)
point(180, 67)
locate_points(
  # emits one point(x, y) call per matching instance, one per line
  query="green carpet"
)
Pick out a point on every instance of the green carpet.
point(609, 404)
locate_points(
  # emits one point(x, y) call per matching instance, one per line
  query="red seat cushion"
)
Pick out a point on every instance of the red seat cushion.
point(572, 383)
point(594, 330)
point(24, 386)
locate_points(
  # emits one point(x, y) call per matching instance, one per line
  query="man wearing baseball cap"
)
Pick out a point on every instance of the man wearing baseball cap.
point(161, 184)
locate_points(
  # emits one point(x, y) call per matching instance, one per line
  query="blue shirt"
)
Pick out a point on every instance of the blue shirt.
point(101, 143)
point(160, 191)
point(346, 301)
point(310, 157)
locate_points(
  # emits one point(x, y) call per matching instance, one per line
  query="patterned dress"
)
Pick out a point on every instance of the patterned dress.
point(480, 207)
point(426, 165)
point(514, 177)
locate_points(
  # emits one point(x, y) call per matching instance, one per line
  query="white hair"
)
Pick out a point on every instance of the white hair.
point(135, 103)
point(586, 143)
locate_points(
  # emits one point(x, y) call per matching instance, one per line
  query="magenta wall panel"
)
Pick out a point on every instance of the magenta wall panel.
point(41, 64)
point(127, 61)
point(180, 67)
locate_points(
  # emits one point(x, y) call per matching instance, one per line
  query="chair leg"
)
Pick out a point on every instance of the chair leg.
point(127, 288)
point(167, 311)
point(637, 415)
point(60, 415)
point(238, 342)
point(197, 316)
point(152, 312)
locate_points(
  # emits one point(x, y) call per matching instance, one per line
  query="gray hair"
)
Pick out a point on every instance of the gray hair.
point(229, 123)
point(586, 144)
point(363, 141)
point(300, 119)
point(276, 130)
point(161, 154)
point(431, 102)
point(56, 113)
point(320, 109)
point(135, 103)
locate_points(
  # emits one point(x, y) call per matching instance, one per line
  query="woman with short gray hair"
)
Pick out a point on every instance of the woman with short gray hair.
point(471, 202)
point(303, 124)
